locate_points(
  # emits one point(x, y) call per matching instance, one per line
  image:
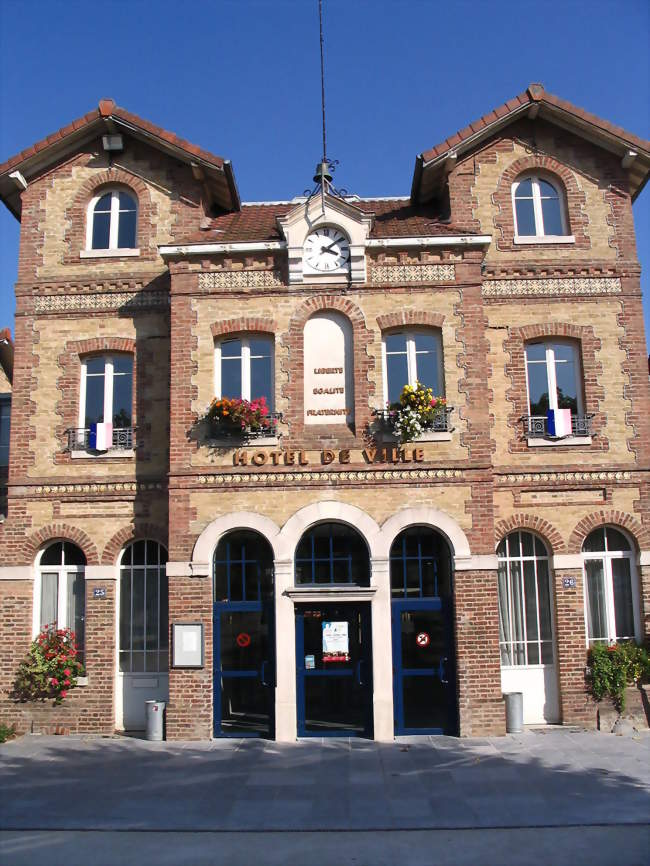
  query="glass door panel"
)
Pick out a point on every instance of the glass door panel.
point(334, 669)
point(244, 670)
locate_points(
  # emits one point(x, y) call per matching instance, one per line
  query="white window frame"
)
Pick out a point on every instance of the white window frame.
point(63, 573)
point(245, 365)
point(521, 559)
point(540, 236)
point(108, 389)
point(550, 371)
point(411, 356)
point(606, 558)
point(113, 248)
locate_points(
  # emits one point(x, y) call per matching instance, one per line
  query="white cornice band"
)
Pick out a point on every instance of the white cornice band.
point(264, 246)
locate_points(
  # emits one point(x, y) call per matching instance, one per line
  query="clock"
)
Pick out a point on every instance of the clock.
point(327, 249)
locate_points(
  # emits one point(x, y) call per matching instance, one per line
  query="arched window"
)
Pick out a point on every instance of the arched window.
point(420, 564)
point(111, 221)
point(525, 622)
point(539, 209)
point(144, 608)
point(412, 356)
point(243, 367)
point(243, 568)
point(60, 589)
point(332, 553)
point(611, 587)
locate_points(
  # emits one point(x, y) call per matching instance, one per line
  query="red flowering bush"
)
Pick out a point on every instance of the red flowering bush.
point(232, 415)
point(50, 668)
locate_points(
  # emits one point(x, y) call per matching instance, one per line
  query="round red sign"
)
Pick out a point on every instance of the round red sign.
point(422, 639)
point(243, 639)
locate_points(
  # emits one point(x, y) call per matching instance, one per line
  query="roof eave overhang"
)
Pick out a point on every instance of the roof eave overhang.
point(426, 172)
point(220, 177)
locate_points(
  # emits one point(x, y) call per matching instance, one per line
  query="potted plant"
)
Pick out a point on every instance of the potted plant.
point(235, 417)
point(50, 668)
point(417, 411)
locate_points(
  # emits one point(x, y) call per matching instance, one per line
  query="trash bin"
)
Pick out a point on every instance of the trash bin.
point(514, 712)
point(155, 711)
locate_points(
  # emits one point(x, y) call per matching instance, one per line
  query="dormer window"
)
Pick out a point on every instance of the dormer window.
point(112, 219)
point(539, 210)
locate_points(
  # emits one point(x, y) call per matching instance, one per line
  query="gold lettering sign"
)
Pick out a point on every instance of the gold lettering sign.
point(291, 457)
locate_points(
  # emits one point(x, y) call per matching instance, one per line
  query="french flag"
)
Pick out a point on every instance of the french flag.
point(100, 437)
point(558, 422)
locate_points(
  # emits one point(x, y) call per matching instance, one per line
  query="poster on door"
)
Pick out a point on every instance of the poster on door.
point(336, 645)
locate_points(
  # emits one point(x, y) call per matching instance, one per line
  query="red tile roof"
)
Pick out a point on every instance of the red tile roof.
point(534, 93)
point(108, 109)
point(393, 218)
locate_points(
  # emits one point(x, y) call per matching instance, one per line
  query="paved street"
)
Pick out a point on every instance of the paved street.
point(548, 797)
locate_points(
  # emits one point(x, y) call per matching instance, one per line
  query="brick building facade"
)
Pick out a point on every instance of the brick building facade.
point(343, 581)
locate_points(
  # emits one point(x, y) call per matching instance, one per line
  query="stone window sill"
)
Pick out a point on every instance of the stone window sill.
point(230, 442)
point(108, 254)
point(569, 440)
point(125, 454)
point(545, 239)
point(82, 681)
point(430, 436)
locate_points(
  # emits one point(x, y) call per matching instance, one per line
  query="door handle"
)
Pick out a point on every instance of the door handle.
point(359, 680)
point(263, 673)
point(442, 670)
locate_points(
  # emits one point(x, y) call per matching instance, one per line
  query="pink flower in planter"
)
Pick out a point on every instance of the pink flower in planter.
point(66, 682)
point(63, 693)
point(54, 681)
point(67, 672)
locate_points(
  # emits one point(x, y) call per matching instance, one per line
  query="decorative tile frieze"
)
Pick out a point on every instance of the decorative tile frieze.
point(103, 487)
point(259, 479)
point(526, 477)
point(240, 280)
point(108, 301)
point(412, 273)
point(550, 287)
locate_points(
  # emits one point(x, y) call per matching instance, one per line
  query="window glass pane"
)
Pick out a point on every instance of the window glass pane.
point(536, 352)
point(533, 653)
point(547, 653)
point(543, 590)
point(616, 540)
point(526, 544)
point(53, 555)
point(525, 217)
point(152, 620)
point(428, 371)
point(138, 610)
point(530, 598)
point(5, 414)
point(127, 202)
point(540, 550)
point(95, 365)
point(49, 598)
point(76, 602)
point(261, 385)
point(565, 374)
point(513, 544)
point(623, 610)
point(73, 555)
point(538, 389)
point(126, 230)
point(126, 556)
point(236, 573)
point(524, 188)
point(125, 617)
point(501, 549)
point(122, 400)
point(104, 203)
point(94, 397)
point(517, 613)
point(123, 364)
point(138, 548)
point(101, 231)
point(552, 216)
point(260, 347)
point(596, 612)
point(231, 349)
point(547, 190)
point(395, 342)
point(230, 377)
point(397, 375)
point(595, 541)
point(412, 578)
point(505, 631)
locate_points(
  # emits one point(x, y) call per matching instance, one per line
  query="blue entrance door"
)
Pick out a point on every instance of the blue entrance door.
point(334, 670)
point(423, 667)
point(244, 637)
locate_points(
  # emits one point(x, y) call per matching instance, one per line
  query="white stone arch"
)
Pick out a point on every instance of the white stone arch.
point(206, 543)
point(425, 515)
point(328, 511)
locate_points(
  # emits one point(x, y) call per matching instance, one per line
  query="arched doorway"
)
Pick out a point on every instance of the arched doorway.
point(424, 667)
point(333, 638)
point(244, 636)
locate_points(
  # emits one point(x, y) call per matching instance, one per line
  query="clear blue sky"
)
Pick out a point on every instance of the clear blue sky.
point(240, 78)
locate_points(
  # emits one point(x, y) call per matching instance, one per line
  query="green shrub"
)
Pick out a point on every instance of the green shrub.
point(7, 732)
point(613, 668)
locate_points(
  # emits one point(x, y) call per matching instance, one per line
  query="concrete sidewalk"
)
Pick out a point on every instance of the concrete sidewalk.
point(554, 791)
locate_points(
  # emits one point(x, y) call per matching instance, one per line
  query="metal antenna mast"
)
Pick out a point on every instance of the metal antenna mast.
point(322, 78)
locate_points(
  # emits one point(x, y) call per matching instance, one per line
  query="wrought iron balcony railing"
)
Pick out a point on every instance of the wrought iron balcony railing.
point(79, 439)
point(228, 431)
point(536, 426)
point(440, 423)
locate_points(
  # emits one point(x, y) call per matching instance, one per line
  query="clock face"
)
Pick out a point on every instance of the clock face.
point(327, 249)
